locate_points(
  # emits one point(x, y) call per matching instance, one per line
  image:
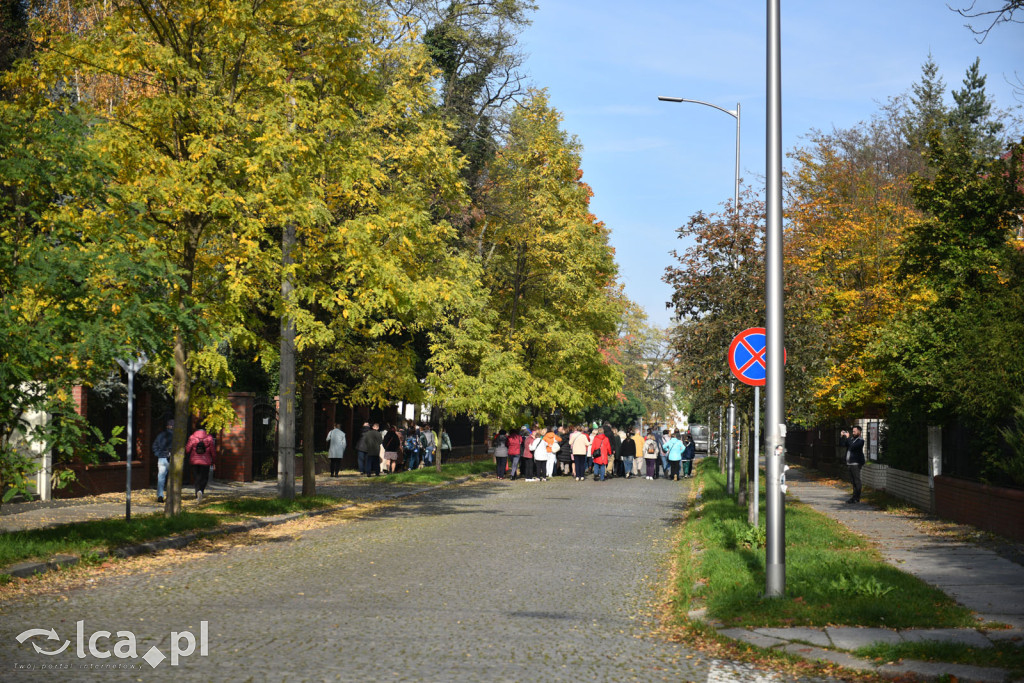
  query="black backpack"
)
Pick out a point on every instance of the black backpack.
point(200, 447)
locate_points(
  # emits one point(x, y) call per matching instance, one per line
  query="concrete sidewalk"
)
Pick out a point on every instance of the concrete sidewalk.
point(977, 578)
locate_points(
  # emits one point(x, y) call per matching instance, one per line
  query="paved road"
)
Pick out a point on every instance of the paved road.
point(492, 581)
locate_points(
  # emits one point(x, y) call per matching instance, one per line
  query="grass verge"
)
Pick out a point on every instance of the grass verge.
point(833, 577)
point(1003, 655)
point(102, 534)
point(264, 507)
point(85, 538)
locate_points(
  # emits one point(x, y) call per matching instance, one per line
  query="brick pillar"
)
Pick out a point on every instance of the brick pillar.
point(81, 396)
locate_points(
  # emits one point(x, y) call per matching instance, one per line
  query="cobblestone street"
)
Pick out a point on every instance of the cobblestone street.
point(490, 581)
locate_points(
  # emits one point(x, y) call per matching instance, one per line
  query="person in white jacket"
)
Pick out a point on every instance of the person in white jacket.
point(540, 457)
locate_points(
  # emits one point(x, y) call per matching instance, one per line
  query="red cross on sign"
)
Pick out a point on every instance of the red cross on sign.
point(747, 356)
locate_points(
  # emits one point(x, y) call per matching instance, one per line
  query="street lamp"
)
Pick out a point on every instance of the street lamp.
point(736, 115)
point(736, 216)
point(131, 367)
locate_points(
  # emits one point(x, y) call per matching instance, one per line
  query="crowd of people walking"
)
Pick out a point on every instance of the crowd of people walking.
point(388, 450)
point(537, 454)
point(529, 453)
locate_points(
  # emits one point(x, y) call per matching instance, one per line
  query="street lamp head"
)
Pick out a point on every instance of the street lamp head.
point(670, 99)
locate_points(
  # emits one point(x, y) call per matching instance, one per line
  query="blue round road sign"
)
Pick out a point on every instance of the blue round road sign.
point(747, 356)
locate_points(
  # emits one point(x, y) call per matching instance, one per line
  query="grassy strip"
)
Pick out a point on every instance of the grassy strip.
point(101, 534)
point(1002, 655)
point(429, 475)
point(82, 538)
point(265, 507)
point(833, 577)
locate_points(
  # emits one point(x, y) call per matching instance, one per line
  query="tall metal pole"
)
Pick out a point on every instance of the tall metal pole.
point(128, 449)
point(730, 475)
point(775, 412)
point(131, 367)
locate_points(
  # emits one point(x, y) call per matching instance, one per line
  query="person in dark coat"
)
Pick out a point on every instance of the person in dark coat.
point(854, 459)
point(689, 453)
point(162, 453)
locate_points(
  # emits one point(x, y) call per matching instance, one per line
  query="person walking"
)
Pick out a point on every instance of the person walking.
point(391, 443)
point(564, 452)
point(689, 453)
point(500, 444)
point(549, 450)
point(162, 453)
point(579, 443)
point(446, 446)
point(412, 449)
point(638, 460)
point(515, 452)
point(854, 459)
point(662, 439)
point(651, 456)
point(529, 464)
point(601, 450)
point(627, 452)
point(336, 445)
point(375, 454)
point(362, 461)
point(428, 444)
point(200, 451)
point(673, 449)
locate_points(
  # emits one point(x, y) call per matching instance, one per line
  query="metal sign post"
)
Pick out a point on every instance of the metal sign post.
point(755, 473)
point(748, 362)
point(730, 473)
point(131, 367)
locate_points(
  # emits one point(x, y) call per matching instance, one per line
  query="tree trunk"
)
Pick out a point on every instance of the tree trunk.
point(286, 421)
point(182, 388)
point(308, 421)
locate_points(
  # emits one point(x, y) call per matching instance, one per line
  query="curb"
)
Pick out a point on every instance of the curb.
point(773, 640)
point(24, 570)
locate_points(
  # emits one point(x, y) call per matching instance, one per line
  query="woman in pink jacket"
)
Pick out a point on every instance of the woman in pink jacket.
point(200, 450)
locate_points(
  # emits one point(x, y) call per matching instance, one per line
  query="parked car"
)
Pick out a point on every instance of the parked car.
point(701, 435)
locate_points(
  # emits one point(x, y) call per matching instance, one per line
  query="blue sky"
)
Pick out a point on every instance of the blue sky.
point(653, 164)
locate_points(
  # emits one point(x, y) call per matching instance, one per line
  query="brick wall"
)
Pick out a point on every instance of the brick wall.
point(991, 508)
point(107, 477)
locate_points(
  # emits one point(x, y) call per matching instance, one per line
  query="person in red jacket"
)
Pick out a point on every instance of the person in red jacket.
point(200, 451)
point(600, 449)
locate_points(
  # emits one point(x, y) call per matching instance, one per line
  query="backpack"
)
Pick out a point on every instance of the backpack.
point(652, 447)
point(201, 447)
point(411, 443)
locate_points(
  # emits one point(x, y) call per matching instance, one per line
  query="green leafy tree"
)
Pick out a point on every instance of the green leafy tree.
point(538, 334)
